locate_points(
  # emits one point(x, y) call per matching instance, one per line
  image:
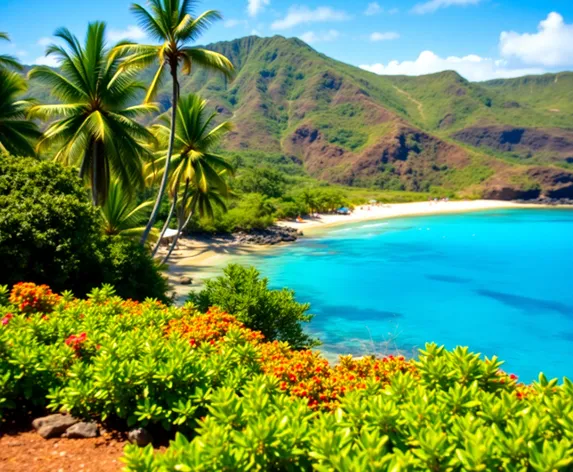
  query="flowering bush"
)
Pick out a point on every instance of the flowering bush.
point(250, 404)
point(32, 298)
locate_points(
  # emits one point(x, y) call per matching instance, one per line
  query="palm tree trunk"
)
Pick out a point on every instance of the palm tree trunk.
point(94, 173)
point(165, 226)
point(179, 223)
point(163, 184)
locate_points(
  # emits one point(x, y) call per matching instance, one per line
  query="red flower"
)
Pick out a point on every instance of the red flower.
point(7, 319)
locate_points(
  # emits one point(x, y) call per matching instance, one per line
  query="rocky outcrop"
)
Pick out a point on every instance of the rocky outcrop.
point(530, 183)
point(555, 183)
point(526, 142)
point(269, 236)
point(506, 192)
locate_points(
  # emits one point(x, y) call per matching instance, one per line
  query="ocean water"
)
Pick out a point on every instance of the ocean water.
point(500, 282)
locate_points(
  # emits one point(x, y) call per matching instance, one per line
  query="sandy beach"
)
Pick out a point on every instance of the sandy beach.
point(201, 258)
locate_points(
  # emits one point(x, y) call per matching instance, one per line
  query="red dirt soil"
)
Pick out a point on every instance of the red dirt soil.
point(29, 452)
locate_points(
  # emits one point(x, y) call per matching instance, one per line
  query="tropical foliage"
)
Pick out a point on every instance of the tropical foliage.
point(7, 61)
point(50, 233)
point(93, 126)
point(172, 24)
point(242, 291)
point(16, 133)
point(194, 165)
point(247, 403)
point(120, 215)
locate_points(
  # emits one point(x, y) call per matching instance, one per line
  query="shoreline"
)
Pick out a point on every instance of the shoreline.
point(200, 258)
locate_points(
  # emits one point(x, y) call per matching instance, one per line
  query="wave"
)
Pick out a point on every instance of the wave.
point(374, 225)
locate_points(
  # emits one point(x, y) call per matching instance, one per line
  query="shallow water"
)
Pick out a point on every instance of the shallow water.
point(497, 281)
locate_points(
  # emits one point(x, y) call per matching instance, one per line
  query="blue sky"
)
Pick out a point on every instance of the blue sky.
point(481, 39)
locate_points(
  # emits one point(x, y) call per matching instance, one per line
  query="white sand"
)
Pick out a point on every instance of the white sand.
point(203, 258)
point(395, 210)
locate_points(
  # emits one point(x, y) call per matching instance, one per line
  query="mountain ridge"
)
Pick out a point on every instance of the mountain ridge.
point(507, 138)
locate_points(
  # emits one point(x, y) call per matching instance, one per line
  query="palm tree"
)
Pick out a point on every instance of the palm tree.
point(171, 23)
point(95, 127)
point(7, 61)
point(120, 215)
point(193, 165)
point(16, 133)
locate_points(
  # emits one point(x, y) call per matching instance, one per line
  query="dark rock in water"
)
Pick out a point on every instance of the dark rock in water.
point(139, 436)
point(53, 426)
point(269, 236)
point(82, 430)
point(185, 281)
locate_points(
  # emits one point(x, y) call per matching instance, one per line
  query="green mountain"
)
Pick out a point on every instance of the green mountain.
point(504, 138)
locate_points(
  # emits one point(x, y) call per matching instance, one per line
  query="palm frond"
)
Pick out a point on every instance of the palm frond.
point(210, 60)
point(17, 135)
point(190, 29)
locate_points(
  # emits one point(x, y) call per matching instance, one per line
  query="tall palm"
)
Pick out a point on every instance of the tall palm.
point(194, 166)
point(120, 215)
point(172, 24)
point(16, 133)
point(93, 127)
point(7, 61)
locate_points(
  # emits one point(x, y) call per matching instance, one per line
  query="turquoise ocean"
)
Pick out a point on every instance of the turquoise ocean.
point(500, 282)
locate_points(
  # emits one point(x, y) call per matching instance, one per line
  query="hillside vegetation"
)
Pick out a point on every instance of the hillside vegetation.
point(350, 126)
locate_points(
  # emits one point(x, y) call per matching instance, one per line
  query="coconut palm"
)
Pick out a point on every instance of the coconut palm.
point(172, 24)
point(195, 169)
point(16, 133)
point(93, 127)
point(120, 215)
point(7, 61)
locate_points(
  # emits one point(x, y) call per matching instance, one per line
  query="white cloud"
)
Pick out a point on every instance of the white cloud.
point(373, 9)
point(312, 37)
point(387, 36)
point(46, 41)
point(255, 6)
point(393, 11)
point(133, 33)
point(47, 61)
point(472, 67)
point(21, 53)
point(255, 32)
point(433, 5)
point(552, 45)
point(232, 23)
point(298, 15)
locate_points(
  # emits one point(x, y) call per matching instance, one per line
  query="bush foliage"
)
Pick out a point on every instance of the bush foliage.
point(51, 234)
point(242, 291)
point(239, 402)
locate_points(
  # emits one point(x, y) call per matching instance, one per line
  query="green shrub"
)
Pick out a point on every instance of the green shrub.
point(133, 273)
point(114, 360)
point(207, 376)
point(410, 425)
point(242, 292)
point(49, 231)
point(51, 234)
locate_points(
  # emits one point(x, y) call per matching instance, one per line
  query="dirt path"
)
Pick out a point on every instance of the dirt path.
point(419, 104)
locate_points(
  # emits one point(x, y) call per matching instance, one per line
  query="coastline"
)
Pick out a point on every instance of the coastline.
point(201, 258)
